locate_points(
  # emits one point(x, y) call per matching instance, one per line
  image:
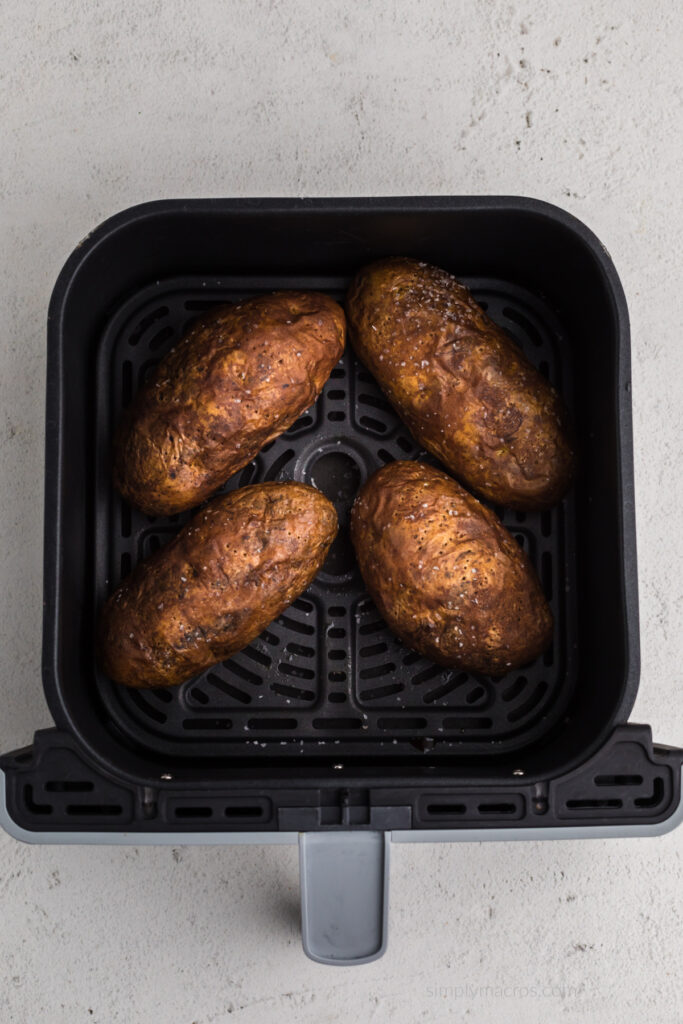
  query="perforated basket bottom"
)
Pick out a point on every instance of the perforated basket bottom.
point(328, 674)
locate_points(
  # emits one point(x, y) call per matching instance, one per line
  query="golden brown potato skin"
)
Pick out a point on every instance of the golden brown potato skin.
point(446, 576)
point(239, 378)
point(463, 387)
point(234, 568)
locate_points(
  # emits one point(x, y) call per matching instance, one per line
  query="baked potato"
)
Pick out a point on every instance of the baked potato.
point(446, 576)
point(463, 387)
point(240, 377)
point(234, 568)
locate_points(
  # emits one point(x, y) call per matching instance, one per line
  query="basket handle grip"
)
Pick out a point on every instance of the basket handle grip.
point(344, 895)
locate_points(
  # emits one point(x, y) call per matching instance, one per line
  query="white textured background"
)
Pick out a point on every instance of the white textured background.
point(103, 105)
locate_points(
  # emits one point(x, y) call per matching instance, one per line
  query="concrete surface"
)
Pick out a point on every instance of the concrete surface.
point(108, 104)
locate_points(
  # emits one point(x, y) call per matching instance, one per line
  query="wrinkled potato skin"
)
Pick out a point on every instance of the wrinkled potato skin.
point(463, 387)
point(446, 576)
point(240, 377)
point(234, 568)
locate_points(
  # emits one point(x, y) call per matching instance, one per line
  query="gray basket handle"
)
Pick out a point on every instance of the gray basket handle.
point(344, 895)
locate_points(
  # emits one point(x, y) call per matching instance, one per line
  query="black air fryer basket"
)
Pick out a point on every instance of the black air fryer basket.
point(326, 729)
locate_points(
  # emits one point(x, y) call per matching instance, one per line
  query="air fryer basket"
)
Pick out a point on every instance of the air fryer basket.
point(326, 723)
point(328, 671)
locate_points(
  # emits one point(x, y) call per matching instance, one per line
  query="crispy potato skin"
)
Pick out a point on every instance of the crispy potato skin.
point(239, 378)
point(462, 386)
point(446, 576)
point(234, 568)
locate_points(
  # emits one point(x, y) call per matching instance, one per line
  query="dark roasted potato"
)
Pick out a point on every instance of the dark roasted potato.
point(234, 568)
point(239, 378)
point(463, 387)
point(444, 573)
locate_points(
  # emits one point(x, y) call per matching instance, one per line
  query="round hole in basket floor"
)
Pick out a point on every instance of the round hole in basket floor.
point(338, 476)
